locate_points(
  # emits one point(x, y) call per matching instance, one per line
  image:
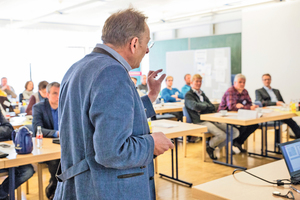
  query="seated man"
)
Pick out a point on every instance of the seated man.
point(237, 97)
point(187, 86)
point(170, 94)
point(143, 87)
point(270, 97)
point(37, 97)
point(197, 103)
point(134, 80)
point(22, 173)
point(45, 114)
point(8, 89)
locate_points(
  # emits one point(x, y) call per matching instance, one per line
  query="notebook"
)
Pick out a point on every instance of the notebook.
point(291, 154)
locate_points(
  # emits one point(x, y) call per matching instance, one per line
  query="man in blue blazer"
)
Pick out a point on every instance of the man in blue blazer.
point(45, 114)
point(106, 149)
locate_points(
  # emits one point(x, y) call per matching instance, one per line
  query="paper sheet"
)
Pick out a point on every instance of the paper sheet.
point(219, 53)
point(223, 87)
point(207, 81)
point(165, 125)
point(216, 94)
point(201, 56)
point(220, 63)
point(220, 76)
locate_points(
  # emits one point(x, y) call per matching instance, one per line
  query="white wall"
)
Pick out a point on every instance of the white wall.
point(271, 44)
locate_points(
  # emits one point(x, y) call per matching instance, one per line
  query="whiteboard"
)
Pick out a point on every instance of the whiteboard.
point(214, 65)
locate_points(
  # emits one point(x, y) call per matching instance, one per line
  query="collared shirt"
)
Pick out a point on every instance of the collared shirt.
point(199, 94)
point(271, 94)
point(233, 97)
point(54, 113)
point(116, 55)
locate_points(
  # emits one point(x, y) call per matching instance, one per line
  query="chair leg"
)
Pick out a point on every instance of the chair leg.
point(27, 187)
point(184, 146)
point(40, 181)
point(155, 165)
point(204, 148)
point(19, 193)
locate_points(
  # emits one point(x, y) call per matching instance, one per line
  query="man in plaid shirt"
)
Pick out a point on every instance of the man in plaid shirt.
point(237, 97)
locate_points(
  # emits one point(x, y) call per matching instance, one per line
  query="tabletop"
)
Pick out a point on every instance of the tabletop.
point(244, 186)
point(173, 129)
point(49, 151)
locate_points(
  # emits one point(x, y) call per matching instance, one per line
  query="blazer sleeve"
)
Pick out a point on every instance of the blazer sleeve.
point(115, 145)
point(166, 96)
point(259, 97)
point(211, 106)
point(192, 104)
point(32, 101)
point(39, 120)
point(279, 97)
point(5, 129)
point(150, 112)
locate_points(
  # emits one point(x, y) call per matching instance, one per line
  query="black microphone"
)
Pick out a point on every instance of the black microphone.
point(278, 182)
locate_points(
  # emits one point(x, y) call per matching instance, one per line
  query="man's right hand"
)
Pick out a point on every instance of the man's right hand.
point(279, 103)
point(239, 105)
point(161, 143)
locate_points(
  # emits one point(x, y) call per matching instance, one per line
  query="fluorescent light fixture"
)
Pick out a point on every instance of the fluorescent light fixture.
point(84, 6)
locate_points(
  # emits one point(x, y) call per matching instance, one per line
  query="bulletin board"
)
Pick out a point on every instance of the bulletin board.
point(214, 65)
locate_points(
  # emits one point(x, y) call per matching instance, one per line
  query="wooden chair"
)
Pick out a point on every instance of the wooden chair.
point(204, 137)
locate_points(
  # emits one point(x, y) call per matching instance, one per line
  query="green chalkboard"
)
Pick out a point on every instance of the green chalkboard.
point(157, 54)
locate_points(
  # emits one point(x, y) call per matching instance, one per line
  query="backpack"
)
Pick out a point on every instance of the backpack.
point(22, 139)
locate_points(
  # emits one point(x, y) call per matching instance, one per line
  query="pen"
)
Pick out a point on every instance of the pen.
point(295, 189)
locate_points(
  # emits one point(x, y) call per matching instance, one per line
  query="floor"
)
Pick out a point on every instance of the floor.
point(191, 169)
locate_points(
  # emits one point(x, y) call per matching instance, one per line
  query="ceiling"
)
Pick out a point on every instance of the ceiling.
point(91, 14)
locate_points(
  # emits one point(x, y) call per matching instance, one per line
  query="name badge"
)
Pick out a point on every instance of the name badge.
point(244, 102)
point(6, 103)
point(201, 98)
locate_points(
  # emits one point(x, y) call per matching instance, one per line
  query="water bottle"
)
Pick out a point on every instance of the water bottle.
point(7, 115)
point(162, 102)
point(39, 138)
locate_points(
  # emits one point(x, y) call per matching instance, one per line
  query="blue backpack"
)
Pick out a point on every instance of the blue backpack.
point(22, 139)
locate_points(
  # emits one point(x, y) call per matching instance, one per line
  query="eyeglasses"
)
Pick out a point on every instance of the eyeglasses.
point(289, 195)
point(150, 44)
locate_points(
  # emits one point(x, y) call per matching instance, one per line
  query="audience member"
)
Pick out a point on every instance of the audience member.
point(197, 103)
point(187, 86)
point(45, 114)
point(235, 98)
point(269, 96)
point(37, 97)
point(8, 89)
point(135, 81)
point(28, 90)
point(170, 94)
point(143, 87)
point(22, 173)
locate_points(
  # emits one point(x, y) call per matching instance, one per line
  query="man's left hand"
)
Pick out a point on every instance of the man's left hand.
point(154, 85)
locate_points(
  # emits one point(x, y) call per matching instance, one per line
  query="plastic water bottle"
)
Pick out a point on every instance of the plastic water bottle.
point(162, 102)
point(7, 115)
point(39, 138)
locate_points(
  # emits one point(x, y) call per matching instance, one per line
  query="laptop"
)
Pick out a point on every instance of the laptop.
point(291, 154)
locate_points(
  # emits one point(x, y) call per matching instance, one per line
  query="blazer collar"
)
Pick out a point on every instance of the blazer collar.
point(48, 111)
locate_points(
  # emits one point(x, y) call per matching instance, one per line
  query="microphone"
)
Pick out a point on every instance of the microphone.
point(278, 182)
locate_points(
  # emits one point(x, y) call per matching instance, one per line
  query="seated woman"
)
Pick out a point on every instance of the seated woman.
point(28, 90)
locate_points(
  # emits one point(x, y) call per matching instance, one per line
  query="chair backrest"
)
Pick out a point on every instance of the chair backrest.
point(186, 114)
point(20, 97)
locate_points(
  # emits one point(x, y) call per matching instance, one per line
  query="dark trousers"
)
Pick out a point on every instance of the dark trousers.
point(293, 125)
point(245, 132)
point(52, 166)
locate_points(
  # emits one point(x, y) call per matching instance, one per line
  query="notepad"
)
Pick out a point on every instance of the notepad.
point(165, 125)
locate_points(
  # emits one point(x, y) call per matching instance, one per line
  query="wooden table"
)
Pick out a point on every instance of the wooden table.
point(179, 129)
point(243, 186)
point(232, 119)
point(49, 151)
point(168, 107)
